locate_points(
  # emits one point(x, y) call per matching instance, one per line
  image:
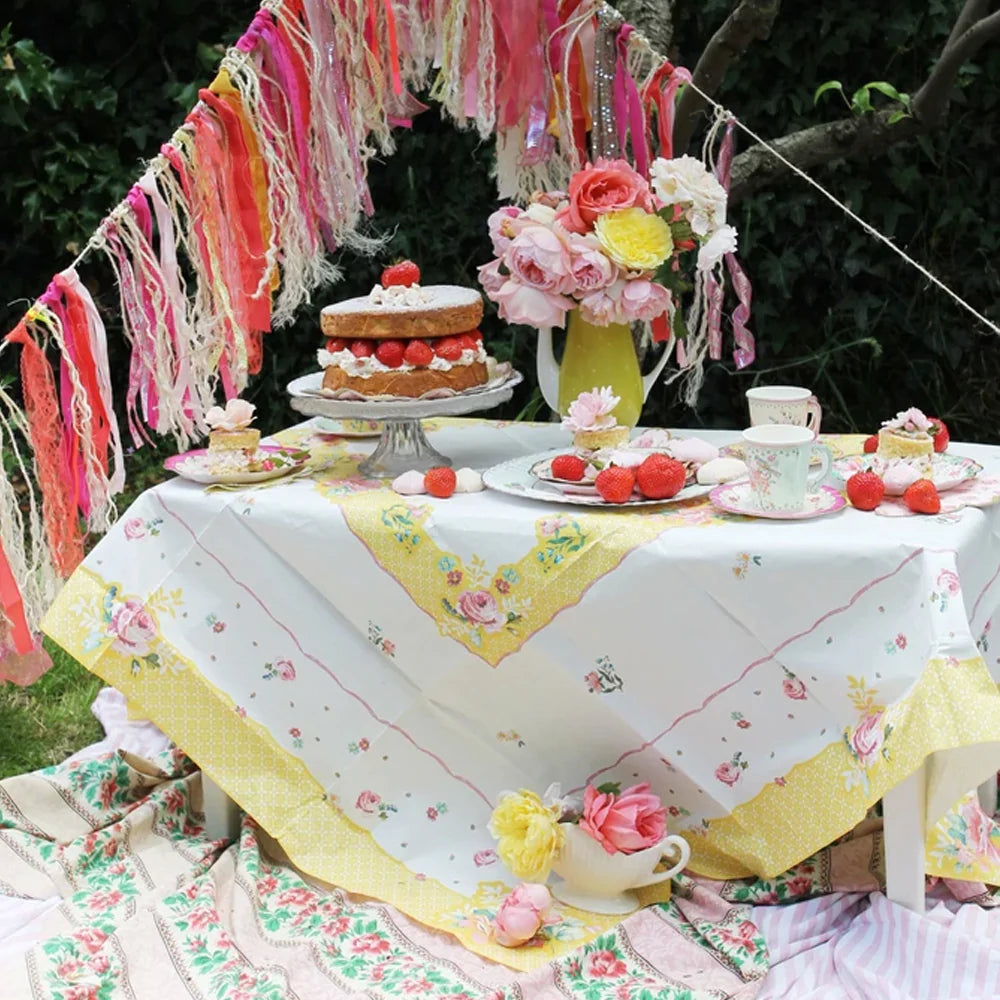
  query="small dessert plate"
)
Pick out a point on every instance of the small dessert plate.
point(205, 467)
point(737, 498)
point(948, 470)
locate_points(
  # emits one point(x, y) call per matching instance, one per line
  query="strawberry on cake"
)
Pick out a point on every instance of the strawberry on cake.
point(404, 339)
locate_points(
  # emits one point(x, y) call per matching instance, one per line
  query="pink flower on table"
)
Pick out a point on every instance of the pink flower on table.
point(483, 858)
point(90, 937)
point(389, 648)
point(432, 813)
point(901, 641)
point(367, 802)
point(133, 628)
point(549, 526)
point(631, 821)
point(479, 607)
point(520, 303)
point(590, 266)
point(868, 737)
point(799, 885)
point(134, 527)
point(68, 968)
point(285, 670)
point(606, 965)
point(606, 186)
point(728, 773)
point(369, 944)
point(644, 300)
point(593, 681)
point(454, 577)
point(295, 732)
point(363, 743)
point(521, 914)
point(592, 411)
point(948, 579)
point(794, 688)
point(80, 992)
point(539, 258)
point(743, 723)
point(502, 586)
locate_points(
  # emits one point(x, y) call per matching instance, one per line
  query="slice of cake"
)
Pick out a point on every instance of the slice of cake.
point(908, 436)
point(404, 339)
point(231, 430)
point(591, 419)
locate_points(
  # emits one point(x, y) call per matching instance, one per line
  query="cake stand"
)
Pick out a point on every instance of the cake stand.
point(403, 445)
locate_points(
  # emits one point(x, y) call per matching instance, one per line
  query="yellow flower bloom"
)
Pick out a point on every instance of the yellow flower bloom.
point(528, 834)
point(637, 240)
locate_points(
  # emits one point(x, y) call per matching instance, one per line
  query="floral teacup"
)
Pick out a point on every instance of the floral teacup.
point(784, 404)
point(777, 457)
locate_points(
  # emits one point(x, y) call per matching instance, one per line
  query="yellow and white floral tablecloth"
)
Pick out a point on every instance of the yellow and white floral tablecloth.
point(364, 672)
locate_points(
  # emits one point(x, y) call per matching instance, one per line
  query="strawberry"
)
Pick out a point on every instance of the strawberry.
point(362, 348)
point(871, 444)
point(440, 481)
point(404, 273)
point(615, 483)
point(390, 353)
point(570, 467)
point(939, 431)
point(477, 335)
point(448, 348)
point(335, 344)
point(660, 477)
point(922, 497)
point(865, 490)
point(467, 343)
point(418, 353)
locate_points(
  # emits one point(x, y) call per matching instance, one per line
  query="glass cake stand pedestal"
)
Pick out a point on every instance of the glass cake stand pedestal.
point(403, 444)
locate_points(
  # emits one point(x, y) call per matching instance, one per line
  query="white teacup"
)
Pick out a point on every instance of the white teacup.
point(600, 882)
point(777, 457)
point(784, 404)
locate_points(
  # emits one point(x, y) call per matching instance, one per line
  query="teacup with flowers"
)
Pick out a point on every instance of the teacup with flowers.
point(602, 848)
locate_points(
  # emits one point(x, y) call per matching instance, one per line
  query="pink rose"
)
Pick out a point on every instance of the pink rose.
point(631, 821)
point(538, 257)
point(367, 802)
point(520, 303)
point(480, 608)
point(503, 227)
point(593, 682)
point(483, 858)
point(590, 267)
point(606, 965)
point(133, 628)
point(490, 278)
point(728, 773)
point(521, 914)
point(644, 300)
point(134, 527)
point(285, 670)
point(949, 580)
point(867, 738)
point(794, 688)
point(603, 306)
point(605, 187)
point(799, 885)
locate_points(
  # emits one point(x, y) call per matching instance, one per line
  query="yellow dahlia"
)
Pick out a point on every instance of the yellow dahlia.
point(634, 239)
point(528, 834)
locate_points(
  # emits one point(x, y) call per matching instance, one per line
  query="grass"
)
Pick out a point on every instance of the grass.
point(46, 722)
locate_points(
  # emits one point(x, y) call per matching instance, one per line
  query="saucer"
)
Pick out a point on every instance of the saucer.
point(737, 498)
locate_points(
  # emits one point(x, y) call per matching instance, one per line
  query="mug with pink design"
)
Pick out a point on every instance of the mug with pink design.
point(784, 404)
point(778, 458)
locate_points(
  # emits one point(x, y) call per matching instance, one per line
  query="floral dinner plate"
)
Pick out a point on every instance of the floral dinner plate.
point(949, 470)
point(737, 498)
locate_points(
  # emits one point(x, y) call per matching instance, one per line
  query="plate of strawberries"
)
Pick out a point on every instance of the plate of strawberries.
point(629, 479)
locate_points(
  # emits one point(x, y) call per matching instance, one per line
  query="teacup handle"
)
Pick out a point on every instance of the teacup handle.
point(814, 415)
point(685, 852)
point(815, 478)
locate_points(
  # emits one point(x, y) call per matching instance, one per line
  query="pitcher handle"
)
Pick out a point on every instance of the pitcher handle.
point(547, 369)
point(648, 381)
point(656, 877)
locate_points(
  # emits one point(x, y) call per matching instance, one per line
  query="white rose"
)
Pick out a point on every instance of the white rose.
point(685, 181)
point(721, 242)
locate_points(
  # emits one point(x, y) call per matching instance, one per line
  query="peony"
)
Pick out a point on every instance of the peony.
point(520, 303)
point(603, 306)
point(909, 420)
point(728, 773)
point(237, 415)
point(721, 242)
point(504, 224)
point(592, 411)
point(685, 181)
point(794, 688)
point(133, 628)
point(590, 268)
point(480, 608)
point(868, 737)
point(606, 186)
point(490, 278)
point(528, 834)
point(521, 914)
point(134, 527)
point(637, 240)
point(643, 300)
point(538, 257)
point(630, 821)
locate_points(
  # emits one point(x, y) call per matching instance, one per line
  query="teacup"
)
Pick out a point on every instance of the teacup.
point(777, 457)
point(600, 882)
point(784, 404)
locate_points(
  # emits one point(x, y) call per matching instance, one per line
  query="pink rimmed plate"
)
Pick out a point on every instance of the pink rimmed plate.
point(948, 471)
point(204, 467)
point(737, 498)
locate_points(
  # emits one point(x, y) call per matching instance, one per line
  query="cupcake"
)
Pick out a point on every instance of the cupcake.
point(230, 428)
point(591, 419)
point(908, 436)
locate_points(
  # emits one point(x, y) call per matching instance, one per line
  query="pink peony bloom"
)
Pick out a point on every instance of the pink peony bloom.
point(728, 773)
point(592, 411)
point(134, 527)
point(590, 267)
point(490, 278)
point(521, 303)
point(480, 608)
point(538, 257)
point(521, 914)
point(644, 300)
point(604, 306)
point(631, 821)
point(794, 688)
point(607, 186)
point(504, 224)
point(133, 628)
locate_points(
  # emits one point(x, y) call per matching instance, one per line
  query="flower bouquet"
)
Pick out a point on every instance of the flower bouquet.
point(602, 848)
point(613, 250)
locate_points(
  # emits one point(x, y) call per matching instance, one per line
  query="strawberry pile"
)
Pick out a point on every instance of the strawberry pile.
point(419, 353)
point(659, 477)
point(865, 490)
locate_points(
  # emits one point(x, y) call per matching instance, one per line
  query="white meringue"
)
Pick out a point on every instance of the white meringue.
point(721, 470)
point(691, 450)
point(409, 484)
point(468, 481)
point(898, 476)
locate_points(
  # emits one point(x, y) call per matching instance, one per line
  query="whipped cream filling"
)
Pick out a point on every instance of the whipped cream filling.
point(400, 296)
point(366, 367)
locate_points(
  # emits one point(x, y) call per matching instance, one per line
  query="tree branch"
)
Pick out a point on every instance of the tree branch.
point(970, 13)
point(750, 22)
point(654, 18)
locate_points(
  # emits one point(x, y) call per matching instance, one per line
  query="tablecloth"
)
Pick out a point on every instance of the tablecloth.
point(364, 673)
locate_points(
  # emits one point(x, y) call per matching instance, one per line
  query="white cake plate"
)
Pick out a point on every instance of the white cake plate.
point(403, 445)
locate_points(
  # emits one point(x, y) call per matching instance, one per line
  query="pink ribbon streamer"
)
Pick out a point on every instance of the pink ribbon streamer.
point(628, 106)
